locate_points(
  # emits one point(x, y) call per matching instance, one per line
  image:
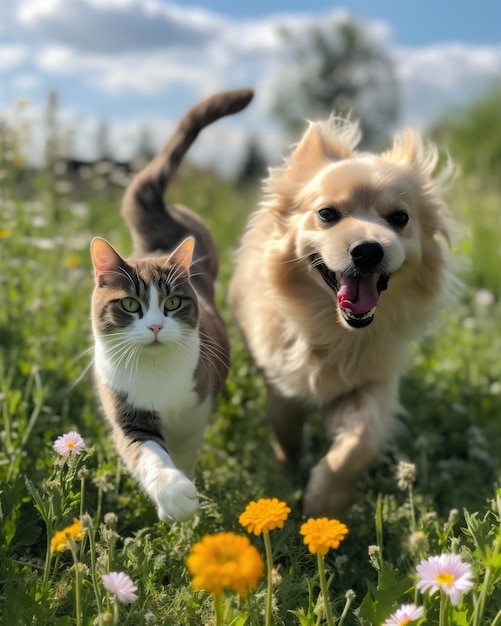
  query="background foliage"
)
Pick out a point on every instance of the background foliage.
point(338, 67)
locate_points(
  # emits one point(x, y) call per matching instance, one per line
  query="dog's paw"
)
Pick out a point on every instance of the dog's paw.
point(327, 493)
point(175, 496)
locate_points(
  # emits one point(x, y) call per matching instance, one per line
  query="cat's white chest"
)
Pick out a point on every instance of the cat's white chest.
point(160, 379)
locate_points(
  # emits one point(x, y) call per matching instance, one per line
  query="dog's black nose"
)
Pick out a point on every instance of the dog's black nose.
point(366, 254)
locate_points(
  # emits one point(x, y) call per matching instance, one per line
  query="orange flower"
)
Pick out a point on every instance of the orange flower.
point(61, 538)
point(322, 533)
point(225, 561)
point(264, 515)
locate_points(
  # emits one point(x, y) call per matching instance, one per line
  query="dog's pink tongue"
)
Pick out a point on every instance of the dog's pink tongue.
point(359, 295)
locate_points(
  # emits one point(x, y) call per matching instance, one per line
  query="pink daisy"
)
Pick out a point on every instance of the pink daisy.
point(70, 443)
point(404, 615)
point(446, 572)
point(121, 585)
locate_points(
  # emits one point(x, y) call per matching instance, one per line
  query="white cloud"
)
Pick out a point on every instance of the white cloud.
point(109, 26)
point(439, 77)
point(11, 56)
point(149, 78)
point(445, 65)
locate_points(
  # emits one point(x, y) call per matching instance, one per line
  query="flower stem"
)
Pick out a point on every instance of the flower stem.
point(82, 491)
point(217, 610)
point(48, 555)
point(269, 566)
point(78, 601)
point(478, 615)
point(379, 535)
point(93, 572)
point(116, 611)
point(413, 514)
point(325, 591)
point(349, 599)
point(444, 614)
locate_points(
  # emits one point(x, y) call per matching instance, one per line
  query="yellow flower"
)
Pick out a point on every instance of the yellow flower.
point(5, 233)
point(60, 539)
point(225, 561)
point(264, 515)
point(322, 533)
point(73, 260)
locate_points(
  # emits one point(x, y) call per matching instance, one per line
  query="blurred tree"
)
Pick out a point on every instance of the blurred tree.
point(145, 150)
point(103, 142)
point(253, 165)
point(339, 68)
point(472, 134)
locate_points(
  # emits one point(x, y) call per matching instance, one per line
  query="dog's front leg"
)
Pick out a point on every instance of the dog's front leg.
point(359, 424)
point(287, 417)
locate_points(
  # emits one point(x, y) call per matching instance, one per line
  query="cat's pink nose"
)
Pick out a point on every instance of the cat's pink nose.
point(156, 328)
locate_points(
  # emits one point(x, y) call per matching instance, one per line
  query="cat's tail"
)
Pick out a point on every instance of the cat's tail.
point(145, 193)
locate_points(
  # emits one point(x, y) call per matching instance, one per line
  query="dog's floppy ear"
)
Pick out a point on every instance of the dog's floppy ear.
point(323, 143)
point(332, 140)
point(409, 149)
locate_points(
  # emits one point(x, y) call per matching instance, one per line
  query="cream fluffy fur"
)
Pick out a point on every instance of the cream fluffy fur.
point(295, 320)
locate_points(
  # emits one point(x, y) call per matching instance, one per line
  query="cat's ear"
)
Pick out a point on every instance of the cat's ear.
point(183, 254)
point(105, 259)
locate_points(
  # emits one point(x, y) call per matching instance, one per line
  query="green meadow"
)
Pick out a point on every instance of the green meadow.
point(450, 433)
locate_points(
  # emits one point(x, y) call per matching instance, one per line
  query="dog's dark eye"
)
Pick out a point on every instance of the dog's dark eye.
point(329, 215)
point(397, 219)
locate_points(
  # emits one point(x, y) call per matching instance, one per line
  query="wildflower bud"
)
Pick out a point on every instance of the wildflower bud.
point(453, 516)
point(107, 534)
point(350, 595)
point(82, 473)
point(83, 569)
point(319, 609)
point(276, 576)
point(406, 474)
point(103, 481)
point(374, 553)
point(110, 519)
point(418, 542)
point(455, 544)
point(87, 522)
point(373, 550)
point(484, 298)
point(107, 618)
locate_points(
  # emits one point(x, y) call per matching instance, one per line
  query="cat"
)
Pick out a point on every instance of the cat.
point(161, 350)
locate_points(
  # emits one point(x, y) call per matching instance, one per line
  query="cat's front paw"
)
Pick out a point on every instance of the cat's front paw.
point(176, 497)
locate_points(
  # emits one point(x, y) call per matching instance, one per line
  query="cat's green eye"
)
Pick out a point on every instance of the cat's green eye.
point(172, 303)
point(131, 305)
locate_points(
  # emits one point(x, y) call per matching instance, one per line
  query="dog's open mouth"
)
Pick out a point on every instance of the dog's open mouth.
point(357, 295)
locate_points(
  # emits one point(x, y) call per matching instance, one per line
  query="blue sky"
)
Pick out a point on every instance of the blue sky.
point(416, 22)
point(140, 63)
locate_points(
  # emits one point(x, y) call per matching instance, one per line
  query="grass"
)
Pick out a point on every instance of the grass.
point(451, 433)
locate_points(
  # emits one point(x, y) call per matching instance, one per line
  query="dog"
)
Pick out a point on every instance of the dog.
point(341, 266)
